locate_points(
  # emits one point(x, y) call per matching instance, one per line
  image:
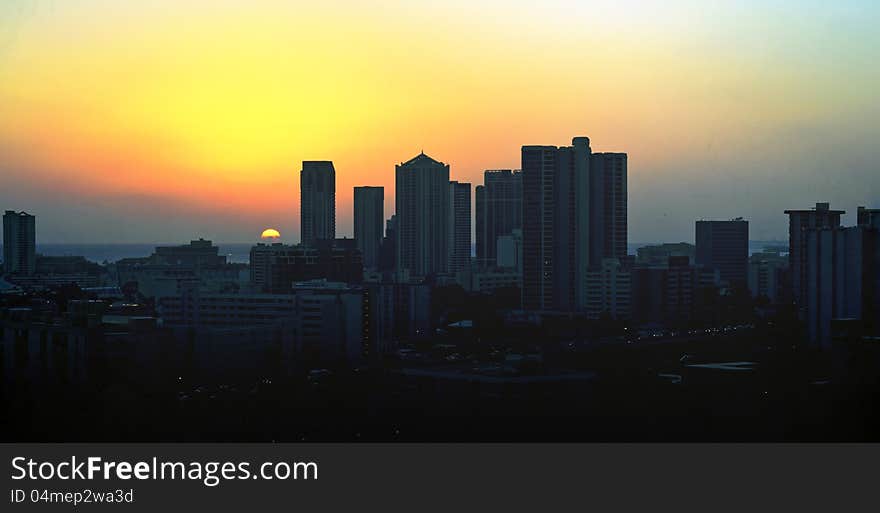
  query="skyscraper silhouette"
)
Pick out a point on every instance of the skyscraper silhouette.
point(555, 225)
point(369, 216)
point(574, 216)
point(608, 216)
point(498, 212)
point(422, 209)
point(317, 201)
point(459, 226)
point(799, 222)
point(19, 243)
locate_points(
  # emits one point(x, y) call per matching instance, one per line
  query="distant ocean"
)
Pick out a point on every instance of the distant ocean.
point(755, 246)
point(238, 252)
point(235, 252)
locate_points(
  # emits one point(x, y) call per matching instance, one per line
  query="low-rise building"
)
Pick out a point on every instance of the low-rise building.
point(487, 282)
point(767, 271)
point(609, 291)
point(276, 267)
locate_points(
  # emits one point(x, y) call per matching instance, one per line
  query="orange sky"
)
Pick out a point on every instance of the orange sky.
point(163, 122)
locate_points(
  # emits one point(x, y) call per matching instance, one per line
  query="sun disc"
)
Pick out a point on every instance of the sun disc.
point(270, 233)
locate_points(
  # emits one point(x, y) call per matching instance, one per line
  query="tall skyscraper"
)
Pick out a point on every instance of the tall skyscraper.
point(422, 210)
point(555, 224)
point(498, 212)
point(19, 243)
point(724, 245)
point(608, 208)
point(388, 251)
point(317, 201)
point(841, 279)
point(459, 226)
point(799, 221)
point(369, 215)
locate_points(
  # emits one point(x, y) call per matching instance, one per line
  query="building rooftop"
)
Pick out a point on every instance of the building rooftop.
point(820, 207)
point(421, 158)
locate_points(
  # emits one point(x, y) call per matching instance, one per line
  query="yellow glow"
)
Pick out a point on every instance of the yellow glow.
point(270, 233)
point(214, 104)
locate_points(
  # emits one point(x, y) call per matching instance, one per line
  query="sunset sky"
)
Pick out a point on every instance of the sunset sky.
point(163, 121)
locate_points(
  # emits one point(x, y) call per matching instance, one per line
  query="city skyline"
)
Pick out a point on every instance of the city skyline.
point(143, 124)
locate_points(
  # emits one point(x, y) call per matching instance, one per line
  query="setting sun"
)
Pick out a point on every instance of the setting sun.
point(270, 233)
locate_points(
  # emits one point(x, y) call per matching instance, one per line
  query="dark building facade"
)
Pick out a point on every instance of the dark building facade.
point(670, 294)
point(422, 210)
point(275, 268)
point(608, 207)
point(498, 205)
point(724, 245)
point(198, 253)
point(369, 215)
point(317, 201)
point(799, 222)
point(555, 226)
point(388, 251)
point(841, 279)
point(459, 226)
point(19, 243)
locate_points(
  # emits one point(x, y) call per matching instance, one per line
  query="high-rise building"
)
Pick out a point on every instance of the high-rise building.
point(369, 215)
point(422, 210)
point(317, 201)
point(724, 245)
point(556, 225)
point(459, 226)
point(608, 208)
point(498, 211)
point(19, 243)
point(799, 222)
point(841, 279)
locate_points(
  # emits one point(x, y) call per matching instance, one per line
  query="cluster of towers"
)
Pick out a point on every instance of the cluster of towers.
point(552, 221)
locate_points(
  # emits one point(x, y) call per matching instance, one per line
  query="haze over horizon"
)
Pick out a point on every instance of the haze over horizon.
point(124, 123)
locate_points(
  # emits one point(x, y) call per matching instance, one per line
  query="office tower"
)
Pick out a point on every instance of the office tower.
point(724, 245)
point(608, 219)
point(498, 212)
point(422, 210)
point(317, 201)
point(459, 226)
point(369, 215)
point(841, 279)
point(799, 221)
point(555, 226)
point(19, 243)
